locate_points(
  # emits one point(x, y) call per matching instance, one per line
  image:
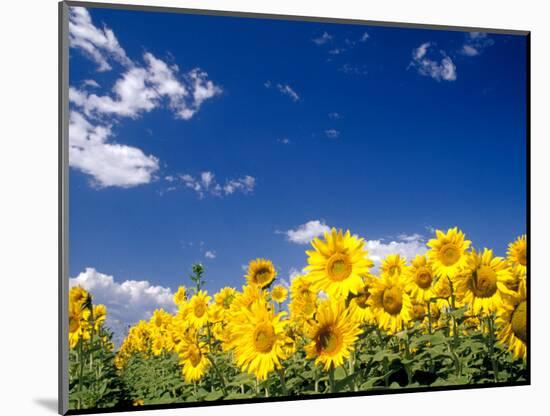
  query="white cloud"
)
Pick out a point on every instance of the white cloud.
point(141, 89)
point(324, 38)
point(332, 133)
point(334, 116)
point(90, 83)
point(475, 43)
point(444, 69)
point(245, 185)
point(109, 164)
point(210, 254)
point(307, 232)
point(353, 69)
point(206, 184)
point(127, 302)
point(286, 89)
point(364, 37)
point(406, 245)
point(100, 45)
point(284, 140)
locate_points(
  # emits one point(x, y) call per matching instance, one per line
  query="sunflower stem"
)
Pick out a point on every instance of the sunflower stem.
point(429, 317)
point(331, 379)
point(281, 372)
point(494, 363)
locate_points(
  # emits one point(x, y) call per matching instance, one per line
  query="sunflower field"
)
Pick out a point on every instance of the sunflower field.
point(453, 316)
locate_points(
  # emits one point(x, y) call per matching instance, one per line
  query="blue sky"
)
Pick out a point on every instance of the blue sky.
point(387, 132)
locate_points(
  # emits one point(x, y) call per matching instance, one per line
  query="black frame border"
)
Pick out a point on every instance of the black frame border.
point(63, 201)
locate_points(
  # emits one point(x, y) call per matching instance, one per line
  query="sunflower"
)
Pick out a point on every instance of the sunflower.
point(338, 263)
point(303, 298)
point(261, 272)
point(193, 356)
point(180, 296)
point(482, 284)
point(512, 322)
point(420, 279)
point(197, 309)
point(517, 254)
point(359, 306)
point(259, 340)
point(390, 303)
point(393, 265)
point(332, 334)
point(448, 252)
point(78, 295)
point(100, 314)
point(224, 297)
point(279, 293)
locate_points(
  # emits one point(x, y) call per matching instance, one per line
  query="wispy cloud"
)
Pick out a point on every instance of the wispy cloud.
point(100, 45)
point(442, 69)
point(210, 254)
point(284, 140)
point(287, 90)
point(304, 233)
point(322, 39)
point(206, 184)
point(364, 37)
point(334, 116)
point(332, 133)
point(142, 89)
point(475, 43)
point(352, 69)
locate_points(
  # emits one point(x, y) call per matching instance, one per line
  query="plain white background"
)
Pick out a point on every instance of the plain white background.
point(28, 228)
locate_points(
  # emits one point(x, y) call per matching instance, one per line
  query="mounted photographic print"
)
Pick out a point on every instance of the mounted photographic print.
point(263, 208)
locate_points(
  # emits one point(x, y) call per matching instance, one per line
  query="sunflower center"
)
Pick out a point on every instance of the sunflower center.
point(362, 298)
point(392, 300)
point(519, 321)
point(338, 267)
point(484, 282)
point(424, 278)
point(199, 309)
point(449, 254)
point(194, 355)
point(522, 257)
point(262, 275)
point(418, 312)
point(328, 341)
point(264, 338)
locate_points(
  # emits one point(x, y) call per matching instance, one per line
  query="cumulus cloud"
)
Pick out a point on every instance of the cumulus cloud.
point(306, 232)
point(109, 164)
point(206, 184)
point(406, 245)
point(141, 89)
point(210, 254)
point(100, 45)
point(322, 39)
point(476, 43)
point(442, 69)
point(127, 302)
point(332, 133)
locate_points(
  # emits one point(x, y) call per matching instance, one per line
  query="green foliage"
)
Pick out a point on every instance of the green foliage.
point(93, 379)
